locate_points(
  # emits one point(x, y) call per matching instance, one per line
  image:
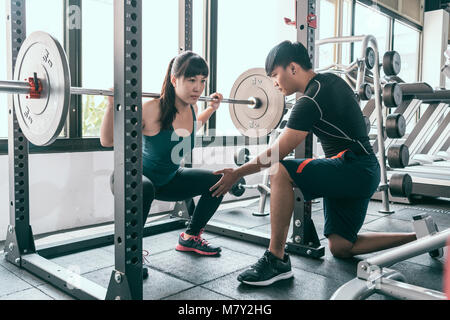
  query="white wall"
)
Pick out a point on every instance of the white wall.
point(435, 39)
point(71, 190)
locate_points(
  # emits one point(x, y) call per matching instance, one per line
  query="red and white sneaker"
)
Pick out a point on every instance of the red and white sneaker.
point(197, 244)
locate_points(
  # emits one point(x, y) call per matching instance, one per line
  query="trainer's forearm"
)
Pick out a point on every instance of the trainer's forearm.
point(261, 162)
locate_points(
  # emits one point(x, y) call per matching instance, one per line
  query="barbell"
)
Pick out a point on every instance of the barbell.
point(42, 91)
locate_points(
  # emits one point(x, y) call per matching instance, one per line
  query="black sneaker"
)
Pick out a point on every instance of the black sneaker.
point(197, 244)
point(267, 270)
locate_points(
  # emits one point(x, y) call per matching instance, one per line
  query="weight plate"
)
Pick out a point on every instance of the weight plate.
point(237, 190)
point(392, 95)
point(42, 120)
point(392, 63)
point(398, 156)
point(368, 124)
point(241, 157)
point(256, 122)
point(400, 185)
point(370, 58)
point(365, 92)
point(395, 126)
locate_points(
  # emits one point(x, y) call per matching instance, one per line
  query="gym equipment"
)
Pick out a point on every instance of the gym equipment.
point(42, 91)
point(392, 63)
point(374, 276)
point(365, 92)
point(395, 125)
point(392, 95)
point(42, 107)
point(400, 185)
point(362, 78)
point(368, 124)
point(398, 156)
point(370, 58)
point(238, 188)
point(261, 121)
point(241, 157)
point(427, 147)
point(425, 226)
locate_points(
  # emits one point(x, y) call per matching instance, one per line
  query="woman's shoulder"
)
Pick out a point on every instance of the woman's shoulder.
point(151, 108)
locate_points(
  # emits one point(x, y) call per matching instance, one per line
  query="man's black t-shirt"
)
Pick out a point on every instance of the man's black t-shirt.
point(330, 110)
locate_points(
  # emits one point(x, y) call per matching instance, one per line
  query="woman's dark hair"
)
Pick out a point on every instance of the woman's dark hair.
point(285, 53)
point(188, 64)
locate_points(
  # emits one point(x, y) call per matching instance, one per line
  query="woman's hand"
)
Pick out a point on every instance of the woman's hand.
point(217, 100)
point(111, 99)
point(225, 184)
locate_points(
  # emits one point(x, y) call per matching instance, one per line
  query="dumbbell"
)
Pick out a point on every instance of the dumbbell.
point(395, 126)
point(238, 188)
point(398, 156)
point(400, 185)
point(242, 156)
point(370, 58)
point(392, 63)
point(392, 95)
point(368, 124)
point(365, 92)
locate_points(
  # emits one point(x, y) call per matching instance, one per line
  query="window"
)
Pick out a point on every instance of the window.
point(407, 43)
point(49, 20)
point(97, 60)
point(370, 21)
point(327, 29)
point(160, 45)
point(346, 30)
point(335, 20)
point(3, 97)
point(247, 31)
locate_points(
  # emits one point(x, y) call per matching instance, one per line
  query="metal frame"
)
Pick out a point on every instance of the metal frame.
point(126, 279)
point(366, 40)
point(373, 276)
point(210, 52)
point(73, 49)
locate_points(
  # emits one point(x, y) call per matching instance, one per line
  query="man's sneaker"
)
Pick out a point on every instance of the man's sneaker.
point(197, 244)
point(267, 270)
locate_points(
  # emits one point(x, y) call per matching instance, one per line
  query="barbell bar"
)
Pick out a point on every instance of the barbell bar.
point(23, 87)
point(41, 89)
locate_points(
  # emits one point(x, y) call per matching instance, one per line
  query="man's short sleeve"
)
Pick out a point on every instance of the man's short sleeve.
point(305, 114)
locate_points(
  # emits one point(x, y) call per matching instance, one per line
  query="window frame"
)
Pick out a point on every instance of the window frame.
point(75, 142)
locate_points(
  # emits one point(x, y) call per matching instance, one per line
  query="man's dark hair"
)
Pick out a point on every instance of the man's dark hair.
point(285, 53)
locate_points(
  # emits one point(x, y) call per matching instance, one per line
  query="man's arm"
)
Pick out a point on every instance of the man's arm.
point(285, 144)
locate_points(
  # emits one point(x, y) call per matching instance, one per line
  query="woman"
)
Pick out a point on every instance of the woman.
point(169, 127)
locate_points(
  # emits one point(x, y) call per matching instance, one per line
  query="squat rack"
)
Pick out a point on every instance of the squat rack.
point(126, 279)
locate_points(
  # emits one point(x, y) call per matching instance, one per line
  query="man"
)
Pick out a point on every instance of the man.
point(346, 179)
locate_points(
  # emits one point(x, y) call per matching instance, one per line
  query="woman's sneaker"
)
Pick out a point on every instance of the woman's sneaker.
point(197, 244)
point(267, 270)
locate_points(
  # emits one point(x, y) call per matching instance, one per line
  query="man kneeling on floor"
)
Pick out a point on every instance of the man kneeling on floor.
point(346, 179)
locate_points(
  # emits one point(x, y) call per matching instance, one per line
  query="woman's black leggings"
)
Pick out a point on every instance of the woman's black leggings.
point(188, 183)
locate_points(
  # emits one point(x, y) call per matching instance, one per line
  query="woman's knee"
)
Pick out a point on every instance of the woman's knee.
point(148, 189)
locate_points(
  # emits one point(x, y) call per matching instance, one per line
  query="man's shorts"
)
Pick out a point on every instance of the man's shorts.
point(345, 182)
